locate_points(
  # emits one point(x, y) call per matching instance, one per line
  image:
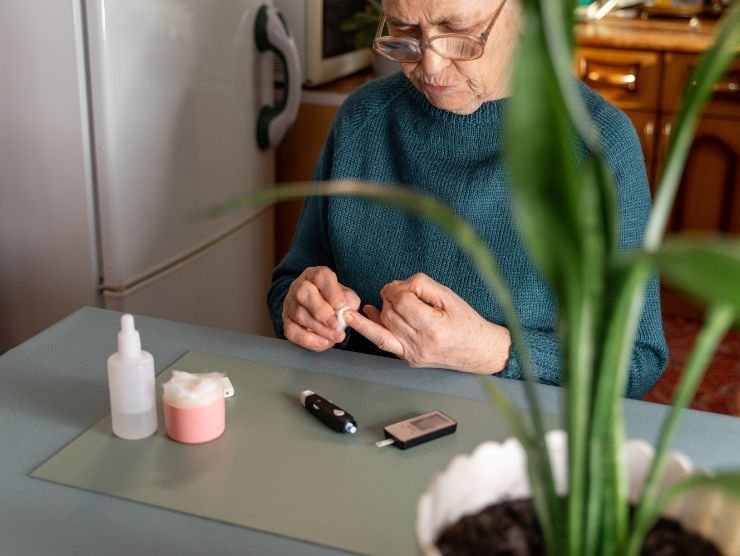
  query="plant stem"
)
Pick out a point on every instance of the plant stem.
point(606, 430)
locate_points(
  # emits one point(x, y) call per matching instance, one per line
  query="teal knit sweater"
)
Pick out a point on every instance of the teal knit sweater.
point(388, 132)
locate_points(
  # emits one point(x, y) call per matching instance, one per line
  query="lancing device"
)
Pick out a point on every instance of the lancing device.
point(328, 412)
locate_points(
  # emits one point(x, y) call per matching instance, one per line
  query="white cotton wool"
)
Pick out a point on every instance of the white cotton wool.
point(341, 324)
point(185, 389)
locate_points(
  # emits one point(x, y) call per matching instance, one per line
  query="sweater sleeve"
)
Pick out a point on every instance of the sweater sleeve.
point(310, 245)
point(650, 355)
point(624, 155)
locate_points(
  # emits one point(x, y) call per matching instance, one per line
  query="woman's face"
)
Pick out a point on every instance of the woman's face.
point(459, 87)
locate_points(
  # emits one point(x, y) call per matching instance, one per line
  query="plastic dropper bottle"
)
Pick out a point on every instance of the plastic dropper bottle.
point(131, 383)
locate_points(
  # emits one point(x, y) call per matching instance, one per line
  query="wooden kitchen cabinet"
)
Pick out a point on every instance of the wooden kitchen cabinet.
point(648, 86)
point(725, 101)
point(709, 196)
point(629, 79)
point(708, 199)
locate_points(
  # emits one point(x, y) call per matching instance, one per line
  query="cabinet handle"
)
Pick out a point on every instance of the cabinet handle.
point(727, 88)
point(649, 129)
point(626, 80)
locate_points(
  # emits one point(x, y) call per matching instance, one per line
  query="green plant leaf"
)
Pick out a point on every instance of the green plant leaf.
point(726, 481)
point(544, 194)
point(566, 214)
point(706, 268)
point(712, 64)
point(719, 320)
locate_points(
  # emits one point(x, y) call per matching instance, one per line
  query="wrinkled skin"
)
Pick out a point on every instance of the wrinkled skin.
point(459, 87)
point(428, 325)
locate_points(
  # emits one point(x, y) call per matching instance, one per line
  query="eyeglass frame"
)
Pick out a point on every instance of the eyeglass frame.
point(481, 39)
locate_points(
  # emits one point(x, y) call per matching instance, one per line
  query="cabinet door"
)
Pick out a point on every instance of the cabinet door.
point(628, 78)
point(645, 123)
point(709, 196)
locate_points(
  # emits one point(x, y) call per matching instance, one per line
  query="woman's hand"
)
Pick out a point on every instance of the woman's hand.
point(428, 325)
point(310, 309)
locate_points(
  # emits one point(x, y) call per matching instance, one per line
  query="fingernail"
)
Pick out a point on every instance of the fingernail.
point(348, 316)
point(338, 336)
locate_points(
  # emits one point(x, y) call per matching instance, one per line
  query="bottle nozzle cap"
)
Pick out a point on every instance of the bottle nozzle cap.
point(127, 323)
point(129, 341)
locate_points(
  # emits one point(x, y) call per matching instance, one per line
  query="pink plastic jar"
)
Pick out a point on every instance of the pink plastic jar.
point(194, 408)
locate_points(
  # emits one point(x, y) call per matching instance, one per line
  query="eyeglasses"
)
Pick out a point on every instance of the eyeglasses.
point(453, 46)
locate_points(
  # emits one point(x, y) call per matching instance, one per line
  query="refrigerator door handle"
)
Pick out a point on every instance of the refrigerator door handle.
point(272, 33)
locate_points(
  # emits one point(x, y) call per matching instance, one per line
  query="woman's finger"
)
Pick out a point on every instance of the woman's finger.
point(302, 316)
point(403, 325)
point(352, 299)
point(372, 313)
point(303, 337)
point(308, 295)
point(328, 286)
point(403, 311)
point(376, 333)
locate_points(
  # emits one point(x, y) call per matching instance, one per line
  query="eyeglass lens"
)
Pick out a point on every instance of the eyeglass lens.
point(409, 50)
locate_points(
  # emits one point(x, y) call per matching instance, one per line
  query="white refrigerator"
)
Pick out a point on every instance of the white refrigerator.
point(119, 119)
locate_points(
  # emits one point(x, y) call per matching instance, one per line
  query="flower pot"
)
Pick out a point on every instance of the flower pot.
point(496, 472)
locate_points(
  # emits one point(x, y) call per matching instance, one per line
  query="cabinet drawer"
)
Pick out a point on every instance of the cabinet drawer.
point(628, 78)
point(725, 101)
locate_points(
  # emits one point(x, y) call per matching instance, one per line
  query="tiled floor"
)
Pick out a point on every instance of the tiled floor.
point(719, 391)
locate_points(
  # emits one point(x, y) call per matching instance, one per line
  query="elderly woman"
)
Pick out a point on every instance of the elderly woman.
point(437, 128)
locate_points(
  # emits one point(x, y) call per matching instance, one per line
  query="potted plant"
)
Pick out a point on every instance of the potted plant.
point(363, 25)
point(580, 481)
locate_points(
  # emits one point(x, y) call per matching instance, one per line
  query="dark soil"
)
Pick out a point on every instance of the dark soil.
point(511, 529)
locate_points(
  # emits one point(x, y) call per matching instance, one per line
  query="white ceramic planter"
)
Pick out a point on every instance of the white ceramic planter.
point(496, 472)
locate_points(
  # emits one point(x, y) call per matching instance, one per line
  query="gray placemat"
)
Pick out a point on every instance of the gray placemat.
point(277, 468)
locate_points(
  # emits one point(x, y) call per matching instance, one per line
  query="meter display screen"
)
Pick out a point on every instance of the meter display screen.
point(429, 422)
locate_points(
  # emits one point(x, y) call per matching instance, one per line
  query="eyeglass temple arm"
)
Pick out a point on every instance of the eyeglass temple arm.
point(381, 26)
point(487, 32)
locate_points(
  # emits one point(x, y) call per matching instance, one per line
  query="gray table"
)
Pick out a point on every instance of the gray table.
point(54, 387)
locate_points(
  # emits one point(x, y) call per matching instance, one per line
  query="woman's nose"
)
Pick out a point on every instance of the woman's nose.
point(431, 62)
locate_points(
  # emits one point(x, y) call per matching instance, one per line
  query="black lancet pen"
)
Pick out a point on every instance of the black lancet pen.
point(328, 412)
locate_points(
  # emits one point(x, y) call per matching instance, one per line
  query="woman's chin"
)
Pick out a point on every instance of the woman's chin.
point(453, 104)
